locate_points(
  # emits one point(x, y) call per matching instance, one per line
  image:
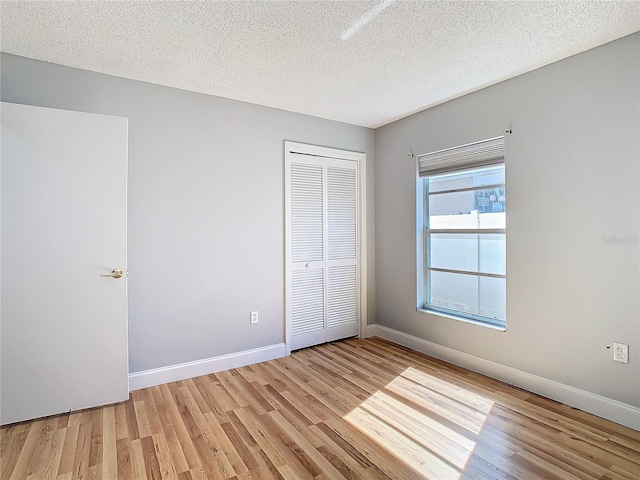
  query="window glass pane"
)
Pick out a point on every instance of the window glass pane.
point(453, 251)
point(453, 208)
point(492, 220)
point(468, 178)
point(477, 208)
point(444, 214)
point(454, 291)
point(492, 297)
point(472, 200)
point(492, 256)
point(467, 294)
point(490, 200)
point(469, 252)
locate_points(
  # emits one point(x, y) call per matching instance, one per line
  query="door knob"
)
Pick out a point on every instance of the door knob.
point(115, 273)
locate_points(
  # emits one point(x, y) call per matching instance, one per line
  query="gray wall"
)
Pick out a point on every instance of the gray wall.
point(206, 206)
point(573, 178)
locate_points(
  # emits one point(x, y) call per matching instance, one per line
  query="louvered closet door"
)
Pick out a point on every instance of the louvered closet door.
point(342, 250)
point(307, 277)
point(322, 284)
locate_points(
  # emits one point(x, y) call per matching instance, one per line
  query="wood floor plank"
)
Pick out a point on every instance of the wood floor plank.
point(83, 446)
point(137, 460)
point(210, 445)
point(43, 446)
point(96, 439)
point(204, 386)
point(75, 418)
point(342, 460)
point(120, 418)
point(50, 464)
point(347, 452)
point(197, 396)
point(282, 405)
point(307, 442)
point(131, 420)
point(226, 401)
point(230, 452)
point(165, 463)
point(142, 420)
point(360, 409)
point(207, 454)
point(178, 425)
point(109, 448)
point(151, 463)
point(69, 450)
point(153, 417)
point(124, 461)
point(226, 379)
point(241, 448)
point(12, 441)
point(175, 449)
point(260, 436)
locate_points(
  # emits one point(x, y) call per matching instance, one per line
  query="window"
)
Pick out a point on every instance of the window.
point(461, 206)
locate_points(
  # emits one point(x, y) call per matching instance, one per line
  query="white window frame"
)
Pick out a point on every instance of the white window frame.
point(464, 158)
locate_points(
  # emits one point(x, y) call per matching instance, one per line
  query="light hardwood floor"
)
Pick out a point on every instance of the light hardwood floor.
point(357, 409)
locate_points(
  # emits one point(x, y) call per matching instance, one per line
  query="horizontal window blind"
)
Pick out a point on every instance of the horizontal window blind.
point(486, 152)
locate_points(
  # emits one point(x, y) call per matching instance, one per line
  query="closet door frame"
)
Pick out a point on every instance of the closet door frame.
point(291, 151)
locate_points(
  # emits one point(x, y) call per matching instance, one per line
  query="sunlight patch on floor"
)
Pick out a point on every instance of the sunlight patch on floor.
point(421, 391)
point(421, 420)
point(460, 394)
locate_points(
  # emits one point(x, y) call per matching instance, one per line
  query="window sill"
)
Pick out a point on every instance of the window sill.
point(463, 319)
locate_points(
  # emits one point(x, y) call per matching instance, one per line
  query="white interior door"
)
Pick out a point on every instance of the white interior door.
point(63, 325)
point(323, 244)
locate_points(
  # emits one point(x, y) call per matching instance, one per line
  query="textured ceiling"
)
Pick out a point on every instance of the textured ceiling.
point(366, 62)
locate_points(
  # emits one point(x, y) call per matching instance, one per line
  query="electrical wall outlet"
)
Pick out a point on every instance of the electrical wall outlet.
point(621, 352)
point(254, 316)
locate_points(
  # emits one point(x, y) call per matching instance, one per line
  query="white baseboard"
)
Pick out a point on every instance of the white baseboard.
point(613, 410)
point(181, 371)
